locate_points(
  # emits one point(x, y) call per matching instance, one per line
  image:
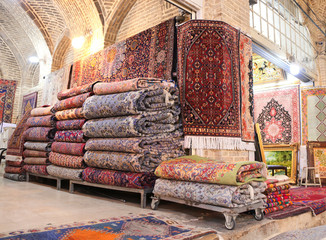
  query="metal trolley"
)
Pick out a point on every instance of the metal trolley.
point(230, 214)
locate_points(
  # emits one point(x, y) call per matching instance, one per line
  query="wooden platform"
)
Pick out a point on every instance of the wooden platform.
point(45, 176)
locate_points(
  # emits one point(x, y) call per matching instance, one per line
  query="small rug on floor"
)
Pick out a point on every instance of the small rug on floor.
point(142, 227)
point(290, 211)
point(313, 197)
point(316, 233)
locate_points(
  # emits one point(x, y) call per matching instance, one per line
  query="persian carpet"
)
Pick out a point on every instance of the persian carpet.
point(65, 160)
point(15, 177)
point(36, 161)
point(7, 98)
point(213, 194)
point(313, 197)
point(146, 54)
point(68, 148)
point(75, 91)
point(208, 51)
point(16, 141)
point(158, 143)
point(39, 134)
point(73, 113)
point(130, 85)
point(37, 169)
point(200, 169)
point(313, 114)
point(75, 124)
point(34, 153)
point(29, 102)
point(14, 163)
point(286, 212)
point(69, 136)
point(130, 103)
point(65, 173)
point(42, 121)
point(16, 170)
point(144, 226)
point(42, 111)
point(72, 102)
point(38, 146)
point(147, 124)
point(55, 82)
point(277, 112)
point(119, 178)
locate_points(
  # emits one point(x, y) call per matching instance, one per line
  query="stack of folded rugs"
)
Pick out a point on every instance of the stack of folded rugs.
point(68, 149)
point(38, 139)
point(133, 125)
point(202, 180)
point(14, 157)
point(278, 193)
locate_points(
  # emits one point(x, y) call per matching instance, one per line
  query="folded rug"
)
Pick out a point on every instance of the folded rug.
point(42, 134)
point(65, 160)
point(200, 169)
point(14, 158)
point(11, 169)
point(118, 178)
point(43, 121)
point(36, 161)
point(42, 111)
point(75, 91)
point(153, 144)
point(37, 169)
point(130, 103)
point(278, 189)
point(34, 153)
point(69, 136)
point(69, 148)
point(133, 126)
point(277, 208)
point(14, 163)
point(103, 88)
point(279, 203)
point(72, 102)
point(66, 173)
point(73, 113)
point(75, 124)
point(206, 193)
point(142, 162)
point(15, 177)
point(39, 146)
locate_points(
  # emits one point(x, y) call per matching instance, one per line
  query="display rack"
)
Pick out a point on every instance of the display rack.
point(28, 174)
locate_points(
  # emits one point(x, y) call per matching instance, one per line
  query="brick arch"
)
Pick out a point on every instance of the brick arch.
point(115, 20)
point(60, 53)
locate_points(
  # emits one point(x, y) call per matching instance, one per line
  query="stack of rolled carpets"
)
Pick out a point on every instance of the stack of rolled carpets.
point(68, 149)
point(202, 180)
point(38, 139)
point(278, 194)
point(14, 157)
point(133, 126)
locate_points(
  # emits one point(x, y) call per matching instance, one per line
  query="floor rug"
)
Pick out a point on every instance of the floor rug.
point(290, 211)
point(143, 227)
point(313, 114)
point(277, 112)
point(313, 197)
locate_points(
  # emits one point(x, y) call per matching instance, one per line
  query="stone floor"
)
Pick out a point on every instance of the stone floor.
point(26, 205)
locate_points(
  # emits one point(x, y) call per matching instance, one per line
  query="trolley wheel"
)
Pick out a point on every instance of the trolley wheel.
point(230, 225)
point(259, 214)
point(155, 203)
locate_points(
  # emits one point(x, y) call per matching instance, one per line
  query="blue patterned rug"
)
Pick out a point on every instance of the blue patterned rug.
point(143, 227)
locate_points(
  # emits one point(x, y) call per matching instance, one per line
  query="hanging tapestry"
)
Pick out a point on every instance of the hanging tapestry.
point(247, 96)
point(29, 102)
point(147, 54)
point(7, 98)
point(277, 112)
point(72, 102)
point(313, 114)
point(65, 173)
point(70, 124)
point(54, 83)
point(119, 178)
point(208, 75)
point(16, 141)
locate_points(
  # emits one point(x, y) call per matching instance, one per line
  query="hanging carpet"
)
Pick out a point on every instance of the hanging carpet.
point(74, 124)
point(7, 99)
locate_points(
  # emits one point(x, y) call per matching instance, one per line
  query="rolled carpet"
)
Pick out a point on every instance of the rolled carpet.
point(75, 91)
point(69, 136)
point(133, 126)
point(74, 124)
point(69, 148)
point(119, 178)
point(129, 103)
point(102, 88)
point(38, 146)
point(73, 113)
point(15, 177)
point(39, 134)
point(37, 169)
point(42, 111)
point(206, 193)
point(34, 153)
point(72, 102)
point(12, 169)
point(65, 160)
point(42, 121)
point(36, 161)
point(14, 163)
point(141, 162)
point(65, 173)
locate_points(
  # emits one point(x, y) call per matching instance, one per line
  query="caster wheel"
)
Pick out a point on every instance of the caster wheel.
point(154, 204)
point(259, 214)
point(230, 225)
